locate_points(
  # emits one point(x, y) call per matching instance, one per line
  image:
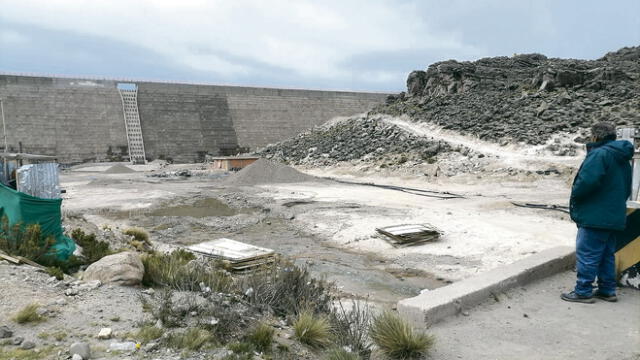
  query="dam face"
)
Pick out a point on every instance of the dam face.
point(81, 120)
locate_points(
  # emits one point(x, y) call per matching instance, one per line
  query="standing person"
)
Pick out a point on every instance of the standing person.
point(598, 206)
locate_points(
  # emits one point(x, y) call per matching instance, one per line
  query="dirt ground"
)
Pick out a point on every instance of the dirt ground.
point(330, 226)
point(533, 323)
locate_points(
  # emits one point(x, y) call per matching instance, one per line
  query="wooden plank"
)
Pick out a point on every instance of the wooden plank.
point(9, 258)
point(29, 262)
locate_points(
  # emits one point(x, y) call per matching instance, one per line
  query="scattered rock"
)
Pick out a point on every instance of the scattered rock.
point(5, 332)
point(82, 349)
point(17, 340)
point(105, 333)
point(124, 268)
point(76, 357)
point(27, 345)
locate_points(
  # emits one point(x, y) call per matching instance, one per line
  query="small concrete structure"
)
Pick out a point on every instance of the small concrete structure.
point(432, 306)
point(231, 163)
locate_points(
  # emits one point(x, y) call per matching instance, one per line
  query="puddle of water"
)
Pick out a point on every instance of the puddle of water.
point(200, 209)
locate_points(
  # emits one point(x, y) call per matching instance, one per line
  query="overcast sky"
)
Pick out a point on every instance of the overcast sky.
point(329, 44)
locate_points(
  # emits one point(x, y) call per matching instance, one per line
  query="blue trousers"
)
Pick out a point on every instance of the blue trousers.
point(595, 258)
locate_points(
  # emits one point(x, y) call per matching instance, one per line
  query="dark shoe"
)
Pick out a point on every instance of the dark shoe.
point(573, 297)
point(605, 297)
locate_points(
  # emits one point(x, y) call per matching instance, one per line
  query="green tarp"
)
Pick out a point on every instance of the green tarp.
point(26, 209)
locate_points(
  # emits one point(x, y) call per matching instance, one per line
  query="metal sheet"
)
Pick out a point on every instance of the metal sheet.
point(231, 250)
point(39, 180)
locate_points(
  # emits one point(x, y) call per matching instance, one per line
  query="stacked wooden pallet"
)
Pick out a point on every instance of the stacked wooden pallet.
point(410, 234)
point(237, 256)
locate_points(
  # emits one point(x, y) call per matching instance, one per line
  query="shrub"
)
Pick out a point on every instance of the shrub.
point(92, 249)
point(191, 339)
point(261, 337)
point(341, 354)
point(149, 333)
point(160, 305)
point(138, 234)
point(351, 327)
point(28, 314)
point(25, 241)
point(312, 330)
point(396, 339)
point(176, 270)
point(241, 348)
point(288, 289)
point(55, 272)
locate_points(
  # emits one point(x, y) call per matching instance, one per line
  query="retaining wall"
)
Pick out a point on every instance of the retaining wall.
point(82, 120)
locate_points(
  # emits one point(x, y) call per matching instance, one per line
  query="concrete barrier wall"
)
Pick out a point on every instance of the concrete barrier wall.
point(82, 120)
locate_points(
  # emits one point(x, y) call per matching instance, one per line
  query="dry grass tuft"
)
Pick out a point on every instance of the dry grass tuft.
point(312, 330)
point(28, 314)
point(192, 339)
point(149, 333)
point(261, 337)
point(397, 340)
point(138, 234)
point(341, 354)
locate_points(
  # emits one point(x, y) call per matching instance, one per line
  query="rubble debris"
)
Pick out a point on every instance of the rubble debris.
point(410, 234)
point(121, 269)
point(361, 138)
point(237, 255)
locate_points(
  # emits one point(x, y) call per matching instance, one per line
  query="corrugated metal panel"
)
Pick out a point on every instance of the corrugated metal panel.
point(39, 180)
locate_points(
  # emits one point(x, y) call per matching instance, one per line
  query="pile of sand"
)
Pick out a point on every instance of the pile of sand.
point(268, 172)
point(119, 169)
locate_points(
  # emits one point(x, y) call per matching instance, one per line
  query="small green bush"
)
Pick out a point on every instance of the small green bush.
point(26, 241)
point(192, 339)
point(138, 234)
point(396, 339)
point(55, 272)
point(341, 354)
point(149, 333)
point(92, 249)
point(312, 330)
point(28, 314)
point(261, 337)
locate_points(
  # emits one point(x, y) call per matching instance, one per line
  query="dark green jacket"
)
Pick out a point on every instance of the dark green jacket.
point(602, 186)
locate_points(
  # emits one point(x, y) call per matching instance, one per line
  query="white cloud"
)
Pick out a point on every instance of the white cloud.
point(10, 37)
point(305, 37)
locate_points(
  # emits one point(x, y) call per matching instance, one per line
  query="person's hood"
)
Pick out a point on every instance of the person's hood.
point(621, 149)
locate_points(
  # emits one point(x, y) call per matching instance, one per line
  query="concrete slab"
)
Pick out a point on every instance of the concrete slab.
point(531, 323)
point(432, 306)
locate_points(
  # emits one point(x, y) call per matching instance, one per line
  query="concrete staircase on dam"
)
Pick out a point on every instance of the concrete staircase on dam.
point(129, 95)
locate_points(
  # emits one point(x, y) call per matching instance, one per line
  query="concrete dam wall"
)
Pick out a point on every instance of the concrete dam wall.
point(83, 120)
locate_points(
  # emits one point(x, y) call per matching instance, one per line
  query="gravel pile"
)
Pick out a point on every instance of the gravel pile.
point(267, 172)
point(523, 98)
point(362, 138)
point(119, 169)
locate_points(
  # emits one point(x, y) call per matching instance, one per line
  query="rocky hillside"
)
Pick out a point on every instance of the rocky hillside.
point(523, 98)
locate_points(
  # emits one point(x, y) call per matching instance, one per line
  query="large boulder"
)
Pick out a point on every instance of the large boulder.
point(124, 268)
